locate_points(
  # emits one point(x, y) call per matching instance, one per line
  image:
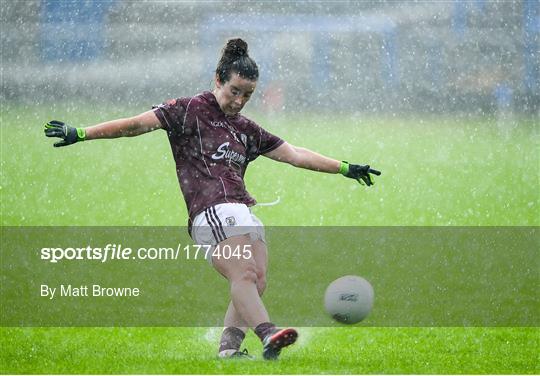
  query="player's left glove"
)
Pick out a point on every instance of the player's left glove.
point(69, 134)
point(358, 172)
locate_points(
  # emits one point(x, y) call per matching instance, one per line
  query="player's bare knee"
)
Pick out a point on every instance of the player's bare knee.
point(249, 273)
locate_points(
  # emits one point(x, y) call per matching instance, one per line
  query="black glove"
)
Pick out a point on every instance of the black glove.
point(358, 172)
point(69, 135)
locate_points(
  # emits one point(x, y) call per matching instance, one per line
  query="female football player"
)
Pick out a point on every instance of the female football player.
point(212, 144)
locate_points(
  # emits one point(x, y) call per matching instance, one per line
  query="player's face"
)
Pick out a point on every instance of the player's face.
point(233, 95)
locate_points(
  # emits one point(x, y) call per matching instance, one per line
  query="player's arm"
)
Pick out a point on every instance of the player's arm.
point(127, 127)
point(305, 158)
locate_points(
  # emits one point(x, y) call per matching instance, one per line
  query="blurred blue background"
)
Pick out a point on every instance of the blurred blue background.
point(476, 57)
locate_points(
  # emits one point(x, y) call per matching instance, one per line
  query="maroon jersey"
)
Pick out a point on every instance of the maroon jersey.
point(212, 150)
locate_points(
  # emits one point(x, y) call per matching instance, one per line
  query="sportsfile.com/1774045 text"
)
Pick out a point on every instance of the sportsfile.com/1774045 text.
point(119, 253)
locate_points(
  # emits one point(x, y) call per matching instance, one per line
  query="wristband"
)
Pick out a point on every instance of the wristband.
point(344, 168)
point(81, 134)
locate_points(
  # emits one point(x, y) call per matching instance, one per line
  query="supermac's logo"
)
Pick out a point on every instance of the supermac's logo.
point(224, 152)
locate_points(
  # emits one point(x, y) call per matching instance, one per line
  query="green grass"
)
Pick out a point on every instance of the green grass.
point(336, 351)
point(436, 172)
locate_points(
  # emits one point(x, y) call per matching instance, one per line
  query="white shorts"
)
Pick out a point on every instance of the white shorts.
point(223, 221)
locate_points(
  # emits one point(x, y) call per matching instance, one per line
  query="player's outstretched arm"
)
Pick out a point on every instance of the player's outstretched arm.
point(305, 158)
point(128, 127)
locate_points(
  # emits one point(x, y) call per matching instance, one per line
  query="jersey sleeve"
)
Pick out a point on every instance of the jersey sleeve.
point(171, 115)
point(261, 141)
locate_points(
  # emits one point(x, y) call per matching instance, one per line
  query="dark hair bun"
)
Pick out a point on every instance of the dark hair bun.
point(235, 48)
point(235, 58)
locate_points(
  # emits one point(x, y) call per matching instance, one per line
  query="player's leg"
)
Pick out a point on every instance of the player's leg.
point(247, 278)
point(226, 221)
point(242, 276)
point(233, 334)
point(273, 339)
point(232, 318)
point(235, 326)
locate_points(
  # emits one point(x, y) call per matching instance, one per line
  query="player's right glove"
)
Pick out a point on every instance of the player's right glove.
point(358, 172)
point(67, 133)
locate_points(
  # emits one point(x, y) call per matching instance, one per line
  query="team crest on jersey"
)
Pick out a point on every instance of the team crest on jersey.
point(231, 221)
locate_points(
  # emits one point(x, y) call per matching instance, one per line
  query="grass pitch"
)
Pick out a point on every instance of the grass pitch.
point(436, 172)
point(335, 351)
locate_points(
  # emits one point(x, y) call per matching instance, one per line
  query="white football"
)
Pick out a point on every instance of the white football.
point(349, 299)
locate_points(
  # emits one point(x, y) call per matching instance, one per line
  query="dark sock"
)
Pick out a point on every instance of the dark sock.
point(263, 329)
point(231, 339)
